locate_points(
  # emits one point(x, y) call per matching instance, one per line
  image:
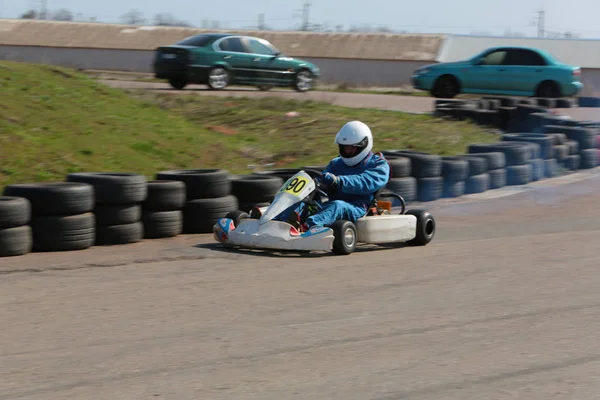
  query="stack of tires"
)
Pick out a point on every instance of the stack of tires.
point(255, 190)
point(401, 181)
point(427, 170)
point(118, 211)
point(61, 214)
point(208, 197)
point(162, 214)
point(496, 166)
point(586, 139)
point(15, 232)
point(478, 178)
point(543, 165)
point(455, 171)
point(517, 155)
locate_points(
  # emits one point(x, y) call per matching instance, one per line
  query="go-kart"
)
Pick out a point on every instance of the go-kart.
point(378, 226)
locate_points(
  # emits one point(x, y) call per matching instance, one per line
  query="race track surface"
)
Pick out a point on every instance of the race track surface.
point(503, 304)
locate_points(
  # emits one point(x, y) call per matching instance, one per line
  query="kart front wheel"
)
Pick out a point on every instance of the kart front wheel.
point(345, 237)
point(237, 216)
point(425, 227)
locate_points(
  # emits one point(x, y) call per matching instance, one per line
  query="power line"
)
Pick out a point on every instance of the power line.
point(541, 22)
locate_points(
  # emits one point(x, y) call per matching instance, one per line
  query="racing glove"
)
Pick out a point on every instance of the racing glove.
point(330, 180)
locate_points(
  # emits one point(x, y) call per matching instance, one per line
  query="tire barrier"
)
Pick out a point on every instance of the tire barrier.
point(15, 233)
point(161, 210)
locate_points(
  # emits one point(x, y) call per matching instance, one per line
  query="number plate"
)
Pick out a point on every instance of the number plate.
point(294, 186)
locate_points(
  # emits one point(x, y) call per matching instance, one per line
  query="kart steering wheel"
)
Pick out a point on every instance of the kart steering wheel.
point(316, 176)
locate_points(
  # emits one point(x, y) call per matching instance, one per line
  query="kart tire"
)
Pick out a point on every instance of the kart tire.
point(255, 188)
point(246, 207)
point(15, 241)
point(162, 224)
point(425, 230)
point(200, 215)
point(497, 178)
point(237, 216)
point(345, 237)
point(54, 198)
point(119, 234)
point(164, 195)
point(477, 183)
point(14, 212)
point(200, 183)
point(496, 160)
point(114, 187)
point(455, 168)
point(117, 214)
point(477, 165)
point(516, 153)
point(63, 233)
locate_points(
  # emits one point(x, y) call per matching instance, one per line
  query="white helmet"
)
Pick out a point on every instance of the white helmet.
point(355, 141)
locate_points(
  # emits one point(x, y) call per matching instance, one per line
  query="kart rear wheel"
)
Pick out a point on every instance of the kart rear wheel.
point(425, 227)
point(345, 237)
point(237, 216)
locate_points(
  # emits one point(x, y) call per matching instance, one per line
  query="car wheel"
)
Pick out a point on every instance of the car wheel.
point(304, 81)
point(178, 83)
point(425, 227)
point(548, 89)
point(446, 87)
point(345, 237)
point(218, 78)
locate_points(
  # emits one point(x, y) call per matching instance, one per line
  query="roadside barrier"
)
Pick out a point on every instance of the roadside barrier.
point(103, 208)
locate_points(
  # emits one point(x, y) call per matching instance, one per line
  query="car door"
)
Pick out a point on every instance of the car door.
point(523, 69)
point(232, 51)
point(486, 73)
point(268, 67)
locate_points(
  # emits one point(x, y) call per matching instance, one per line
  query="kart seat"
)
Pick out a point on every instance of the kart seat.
point(373, 207)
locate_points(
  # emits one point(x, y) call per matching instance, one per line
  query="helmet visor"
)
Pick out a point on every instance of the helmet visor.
point(350, 150)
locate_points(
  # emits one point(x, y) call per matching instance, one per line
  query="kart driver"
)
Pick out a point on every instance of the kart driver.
point(350, 180)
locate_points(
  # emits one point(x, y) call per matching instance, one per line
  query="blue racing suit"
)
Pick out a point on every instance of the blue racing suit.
point(355, 191)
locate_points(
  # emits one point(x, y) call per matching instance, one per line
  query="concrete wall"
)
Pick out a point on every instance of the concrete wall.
point(335, 71)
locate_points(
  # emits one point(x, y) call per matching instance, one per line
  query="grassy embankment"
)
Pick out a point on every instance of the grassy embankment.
point(54, 121)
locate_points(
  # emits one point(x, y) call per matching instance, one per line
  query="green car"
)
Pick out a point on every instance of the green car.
point(220, 59)
point(506, 70)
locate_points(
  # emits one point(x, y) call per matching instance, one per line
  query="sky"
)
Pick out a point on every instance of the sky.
point(480, 17)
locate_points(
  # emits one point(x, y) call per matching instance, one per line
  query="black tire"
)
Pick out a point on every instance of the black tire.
point(165, 195)
point(405, 187)
point(542, 140)
point(584, 136)
point(548, 89)
point(304, 73)
point(573, 147)
point(200, 183)
point(162, 224)
point(15, 241)
point(425, 227)
point(559, 138)
point(550, 168)
point(560, 152)
point(423, 165)
point(117, 214)
point(455, 168)
point(497, 178)
point(63, 233)
point(453, 188)
point(446, 87)
point(430, 189)
point(345, 237)
point(477, 165)
point(495, 160)
point(283, 173)
point(119, 234)
point(537, 169)
point(14, 212)
point(178, 82)
point(237, 216)
point(255, 188)
point(400, 166)
point(518, 174)
point(114, 187)
point(200, 215)
point(246, 207)
point(477, 183)
point(516, 153)
point(565, 103)
point(589, 158)
point(54, 198)
point(572, 162)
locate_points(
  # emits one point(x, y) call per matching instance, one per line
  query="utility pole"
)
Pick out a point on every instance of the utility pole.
point(261, 22)
point(305, 16)
point(43, 9)
point(540, 22)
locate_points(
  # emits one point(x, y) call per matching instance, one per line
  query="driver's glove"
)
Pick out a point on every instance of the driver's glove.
point(330, 180)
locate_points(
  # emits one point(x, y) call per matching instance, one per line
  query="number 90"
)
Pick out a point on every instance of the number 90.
point(295, 186)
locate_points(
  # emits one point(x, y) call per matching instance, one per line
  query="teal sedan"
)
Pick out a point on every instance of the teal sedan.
point(508, 70)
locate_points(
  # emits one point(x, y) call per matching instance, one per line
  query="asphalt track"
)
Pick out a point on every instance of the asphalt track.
point(503, 304)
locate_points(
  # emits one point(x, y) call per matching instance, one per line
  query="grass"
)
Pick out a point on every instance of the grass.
point(55, 120)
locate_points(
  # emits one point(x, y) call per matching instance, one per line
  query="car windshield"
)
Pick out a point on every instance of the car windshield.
point(197, 40)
